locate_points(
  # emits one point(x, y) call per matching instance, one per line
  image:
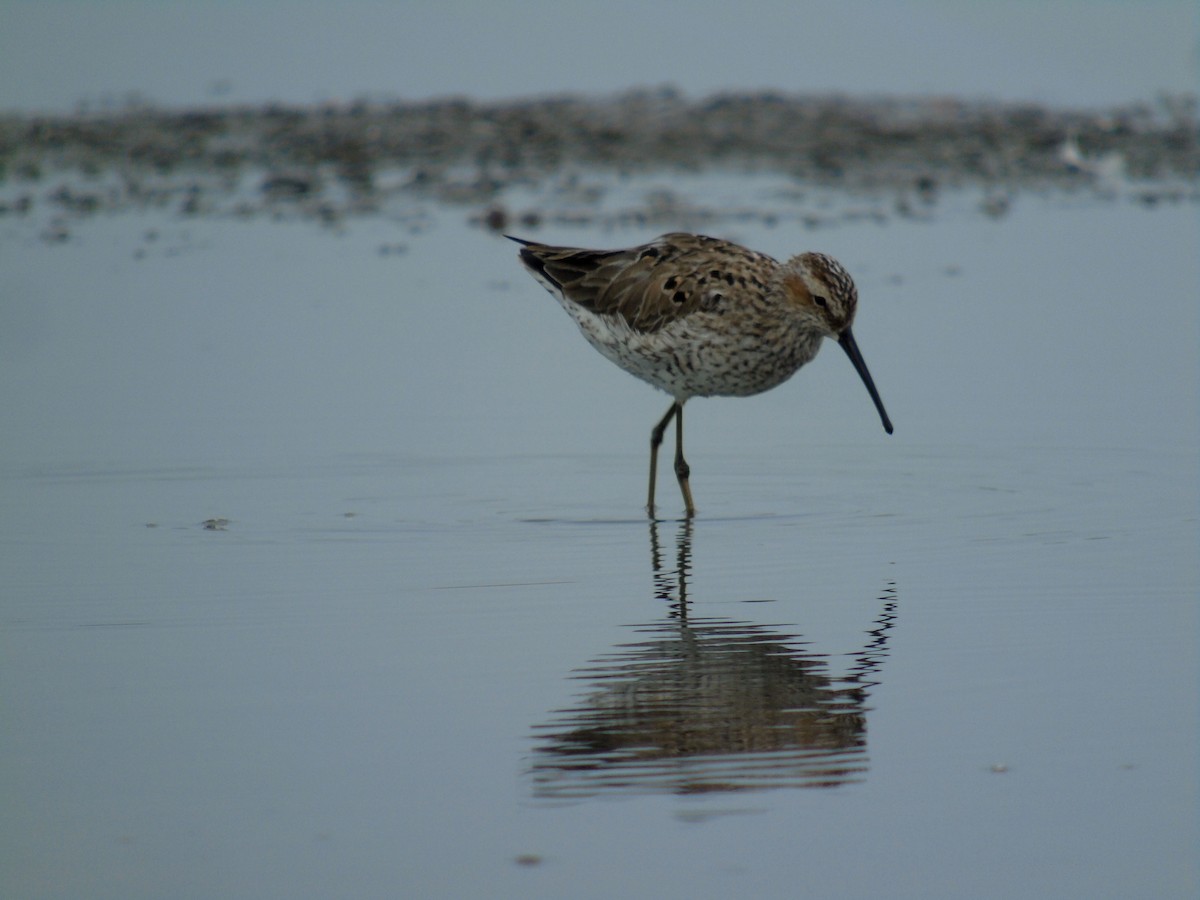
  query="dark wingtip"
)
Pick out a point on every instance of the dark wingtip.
point(530, 259)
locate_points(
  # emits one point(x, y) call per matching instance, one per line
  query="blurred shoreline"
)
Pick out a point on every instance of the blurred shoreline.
point(332, 162)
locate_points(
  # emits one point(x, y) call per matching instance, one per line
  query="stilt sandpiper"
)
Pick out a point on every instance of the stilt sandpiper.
point(699, 317)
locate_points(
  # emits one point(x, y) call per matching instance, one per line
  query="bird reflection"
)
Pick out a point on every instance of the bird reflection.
point(709, 704)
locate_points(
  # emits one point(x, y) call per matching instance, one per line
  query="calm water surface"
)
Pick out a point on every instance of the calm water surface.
point(428, 645)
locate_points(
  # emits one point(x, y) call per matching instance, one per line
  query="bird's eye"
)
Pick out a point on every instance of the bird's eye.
point(821, 302)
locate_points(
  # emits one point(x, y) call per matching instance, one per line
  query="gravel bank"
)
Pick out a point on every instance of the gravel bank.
point(334, 162)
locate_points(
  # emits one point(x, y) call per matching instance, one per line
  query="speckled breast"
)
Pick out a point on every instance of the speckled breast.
point(702, 356)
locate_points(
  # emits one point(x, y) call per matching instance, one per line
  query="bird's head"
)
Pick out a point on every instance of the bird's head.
point(823, 292)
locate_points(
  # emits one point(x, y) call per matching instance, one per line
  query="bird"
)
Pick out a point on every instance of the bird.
point(698, 316)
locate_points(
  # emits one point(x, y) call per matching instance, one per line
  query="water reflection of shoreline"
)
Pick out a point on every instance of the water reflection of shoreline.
point(709, 704)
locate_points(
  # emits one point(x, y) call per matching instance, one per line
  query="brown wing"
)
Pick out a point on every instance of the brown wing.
point(648, 286)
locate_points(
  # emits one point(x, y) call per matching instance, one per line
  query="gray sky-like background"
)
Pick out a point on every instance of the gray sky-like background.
point(53, 55)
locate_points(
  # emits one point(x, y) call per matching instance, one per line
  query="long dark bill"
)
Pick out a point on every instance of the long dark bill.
point(847, 343)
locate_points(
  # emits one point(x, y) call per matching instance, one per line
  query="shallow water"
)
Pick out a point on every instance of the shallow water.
point(427, 644)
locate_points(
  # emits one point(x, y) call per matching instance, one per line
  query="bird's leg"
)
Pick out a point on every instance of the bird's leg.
point(656, 439)
point(682, 469)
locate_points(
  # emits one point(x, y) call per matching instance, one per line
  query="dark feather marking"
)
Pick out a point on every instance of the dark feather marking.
point(648, 287)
